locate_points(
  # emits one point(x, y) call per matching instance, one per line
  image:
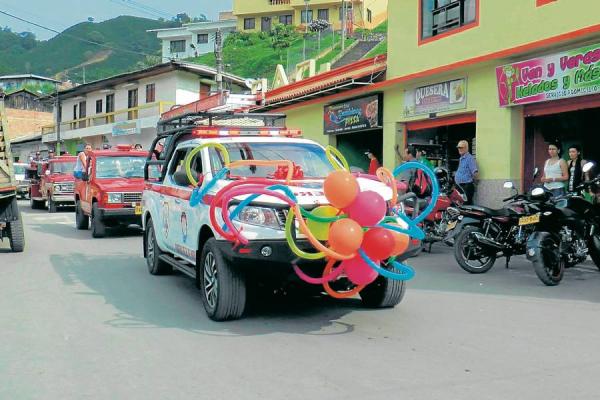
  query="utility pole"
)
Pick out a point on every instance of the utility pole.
point(58, 118)
point(344, 25)
point(219, 59)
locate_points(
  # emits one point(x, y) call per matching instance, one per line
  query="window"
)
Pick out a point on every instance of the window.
point(348, 12)
point(177, 167)
point(323, 14)
point(99, 106)
point(74, 111)
point(369, 15)
point(249, 23)
point(441, 16)
point(177, 46)
point(150, 93)
point(285, 19)
point(203, 38)
point(307, 16)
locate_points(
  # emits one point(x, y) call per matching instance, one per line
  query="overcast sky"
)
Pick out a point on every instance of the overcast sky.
point(61, 14)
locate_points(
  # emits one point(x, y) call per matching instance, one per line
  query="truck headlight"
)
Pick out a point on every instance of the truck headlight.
point(58, 188)
point(115, 198)
point(259, 216)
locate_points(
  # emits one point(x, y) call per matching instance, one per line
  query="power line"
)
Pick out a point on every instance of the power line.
point(134, 5)
point(78, 38)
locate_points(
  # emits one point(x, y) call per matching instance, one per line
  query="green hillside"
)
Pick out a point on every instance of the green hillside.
point(21, 53)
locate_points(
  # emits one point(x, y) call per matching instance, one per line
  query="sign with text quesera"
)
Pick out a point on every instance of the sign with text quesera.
point(360, 114)
point(557, 76)
point(439, 97)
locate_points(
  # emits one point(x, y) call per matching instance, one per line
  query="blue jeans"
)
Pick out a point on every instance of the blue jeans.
point(78, 174)
point(557, 192)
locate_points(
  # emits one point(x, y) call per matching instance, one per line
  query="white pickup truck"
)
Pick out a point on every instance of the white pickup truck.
point(180, 236)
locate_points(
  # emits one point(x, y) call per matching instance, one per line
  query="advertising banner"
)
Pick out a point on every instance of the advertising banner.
point(439, 97)
point(360, 114)
point(557, 76)
point(126, 128)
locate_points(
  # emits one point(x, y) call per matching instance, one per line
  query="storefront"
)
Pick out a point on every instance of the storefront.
point(560, 95)
point(356, 125)
point(437, 137)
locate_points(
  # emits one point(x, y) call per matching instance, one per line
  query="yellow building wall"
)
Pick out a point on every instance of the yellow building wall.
point(503, 24)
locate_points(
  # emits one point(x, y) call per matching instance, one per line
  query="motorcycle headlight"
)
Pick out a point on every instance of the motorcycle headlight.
point(259, 216)
point(115, 198)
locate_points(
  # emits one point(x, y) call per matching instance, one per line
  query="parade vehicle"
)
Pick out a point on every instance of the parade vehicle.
point(21, 179)
point(11, 224)
point(182, 236)
point(110, 193)
point(52, 183)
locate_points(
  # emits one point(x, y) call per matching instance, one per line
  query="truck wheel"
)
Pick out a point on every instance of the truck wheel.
point(16, 235)
point(51, 206)
point(35, 205)
point(98, 227)
point(383, 293)
point(153, 252)
point(82, 221)
point(223, 287)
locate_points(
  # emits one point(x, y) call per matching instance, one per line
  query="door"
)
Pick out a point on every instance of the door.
point(265, 25)
point(132, 102)
point(86, 189)
point(82, 114)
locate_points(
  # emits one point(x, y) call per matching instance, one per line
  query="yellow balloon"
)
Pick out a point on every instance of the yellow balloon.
point(320, 230)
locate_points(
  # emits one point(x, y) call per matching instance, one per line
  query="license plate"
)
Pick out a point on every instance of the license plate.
point(138, 210)
point(531, 219)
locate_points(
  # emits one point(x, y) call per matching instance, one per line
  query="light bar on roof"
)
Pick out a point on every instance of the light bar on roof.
point(212, 132)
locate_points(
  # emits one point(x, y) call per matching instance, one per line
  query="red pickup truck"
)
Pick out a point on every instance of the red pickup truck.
point(52, 182)
point(110, 194)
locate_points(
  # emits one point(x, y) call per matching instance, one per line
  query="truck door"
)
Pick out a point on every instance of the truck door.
point(86, 189)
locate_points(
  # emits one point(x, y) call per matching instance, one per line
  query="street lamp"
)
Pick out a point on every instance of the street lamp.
point(306, 29)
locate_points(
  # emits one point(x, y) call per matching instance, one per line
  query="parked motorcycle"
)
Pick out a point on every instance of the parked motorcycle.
point(486, 234)
point(444, 218)
point(569, 233)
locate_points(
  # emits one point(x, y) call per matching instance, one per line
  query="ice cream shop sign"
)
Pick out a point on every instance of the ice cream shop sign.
point(557, 76)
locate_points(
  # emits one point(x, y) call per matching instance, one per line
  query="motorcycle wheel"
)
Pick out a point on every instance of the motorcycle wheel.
point(594, 248)
point(549, 267)
point(469, 255)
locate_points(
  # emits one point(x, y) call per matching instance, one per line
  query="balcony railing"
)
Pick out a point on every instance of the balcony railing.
point(279, 2)
point(111, 117)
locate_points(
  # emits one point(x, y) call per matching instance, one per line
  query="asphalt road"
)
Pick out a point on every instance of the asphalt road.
point(83, 319)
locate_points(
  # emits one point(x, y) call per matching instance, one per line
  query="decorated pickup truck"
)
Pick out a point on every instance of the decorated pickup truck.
point(110, 192)
point(52, 183)
point(243, 202)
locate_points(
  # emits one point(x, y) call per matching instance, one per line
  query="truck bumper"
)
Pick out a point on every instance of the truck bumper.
point(123, 216)
point(64, 199)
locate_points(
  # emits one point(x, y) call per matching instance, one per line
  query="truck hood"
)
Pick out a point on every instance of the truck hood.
point(120, 184)
point(60, 178)
point(310, 192)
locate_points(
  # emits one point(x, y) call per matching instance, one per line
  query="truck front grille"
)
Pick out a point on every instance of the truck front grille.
point(132, 197)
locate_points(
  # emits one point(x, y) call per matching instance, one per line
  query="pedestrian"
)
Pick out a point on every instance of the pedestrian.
point(555, 172)
point(138, 147)
point(81, 164)
point(424, 160)
point(467, 173)
point(575, 168)
point(373, 164)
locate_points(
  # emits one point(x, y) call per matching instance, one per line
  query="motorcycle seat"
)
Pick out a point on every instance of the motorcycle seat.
point(502, 212)
point(423, 203)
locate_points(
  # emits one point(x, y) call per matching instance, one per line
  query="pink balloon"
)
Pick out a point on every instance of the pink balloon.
point(358, 271)
point(368, 209)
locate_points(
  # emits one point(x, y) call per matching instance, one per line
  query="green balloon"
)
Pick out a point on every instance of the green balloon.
point(320, 230)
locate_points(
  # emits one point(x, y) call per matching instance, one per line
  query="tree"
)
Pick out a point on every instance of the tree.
point(282, 37)
point(96, 37)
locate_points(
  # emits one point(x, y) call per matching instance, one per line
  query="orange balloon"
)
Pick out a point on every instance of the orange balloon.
point(401, 242)
point(341, 188)
point(345, 236)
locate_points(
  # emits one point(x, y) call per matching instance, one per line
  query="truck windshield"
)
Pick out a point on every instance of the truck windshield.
point(120, 167)
point(310, 157)
point(62, 167)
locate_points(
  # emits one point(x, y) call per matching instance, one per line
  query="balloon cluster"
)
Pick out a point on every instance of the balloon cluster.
point(357, 230)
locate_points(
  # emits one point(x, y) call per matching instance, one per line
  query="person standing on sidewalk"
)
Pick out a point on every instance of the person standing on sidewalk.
point(556, 172)
point(468, 173)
